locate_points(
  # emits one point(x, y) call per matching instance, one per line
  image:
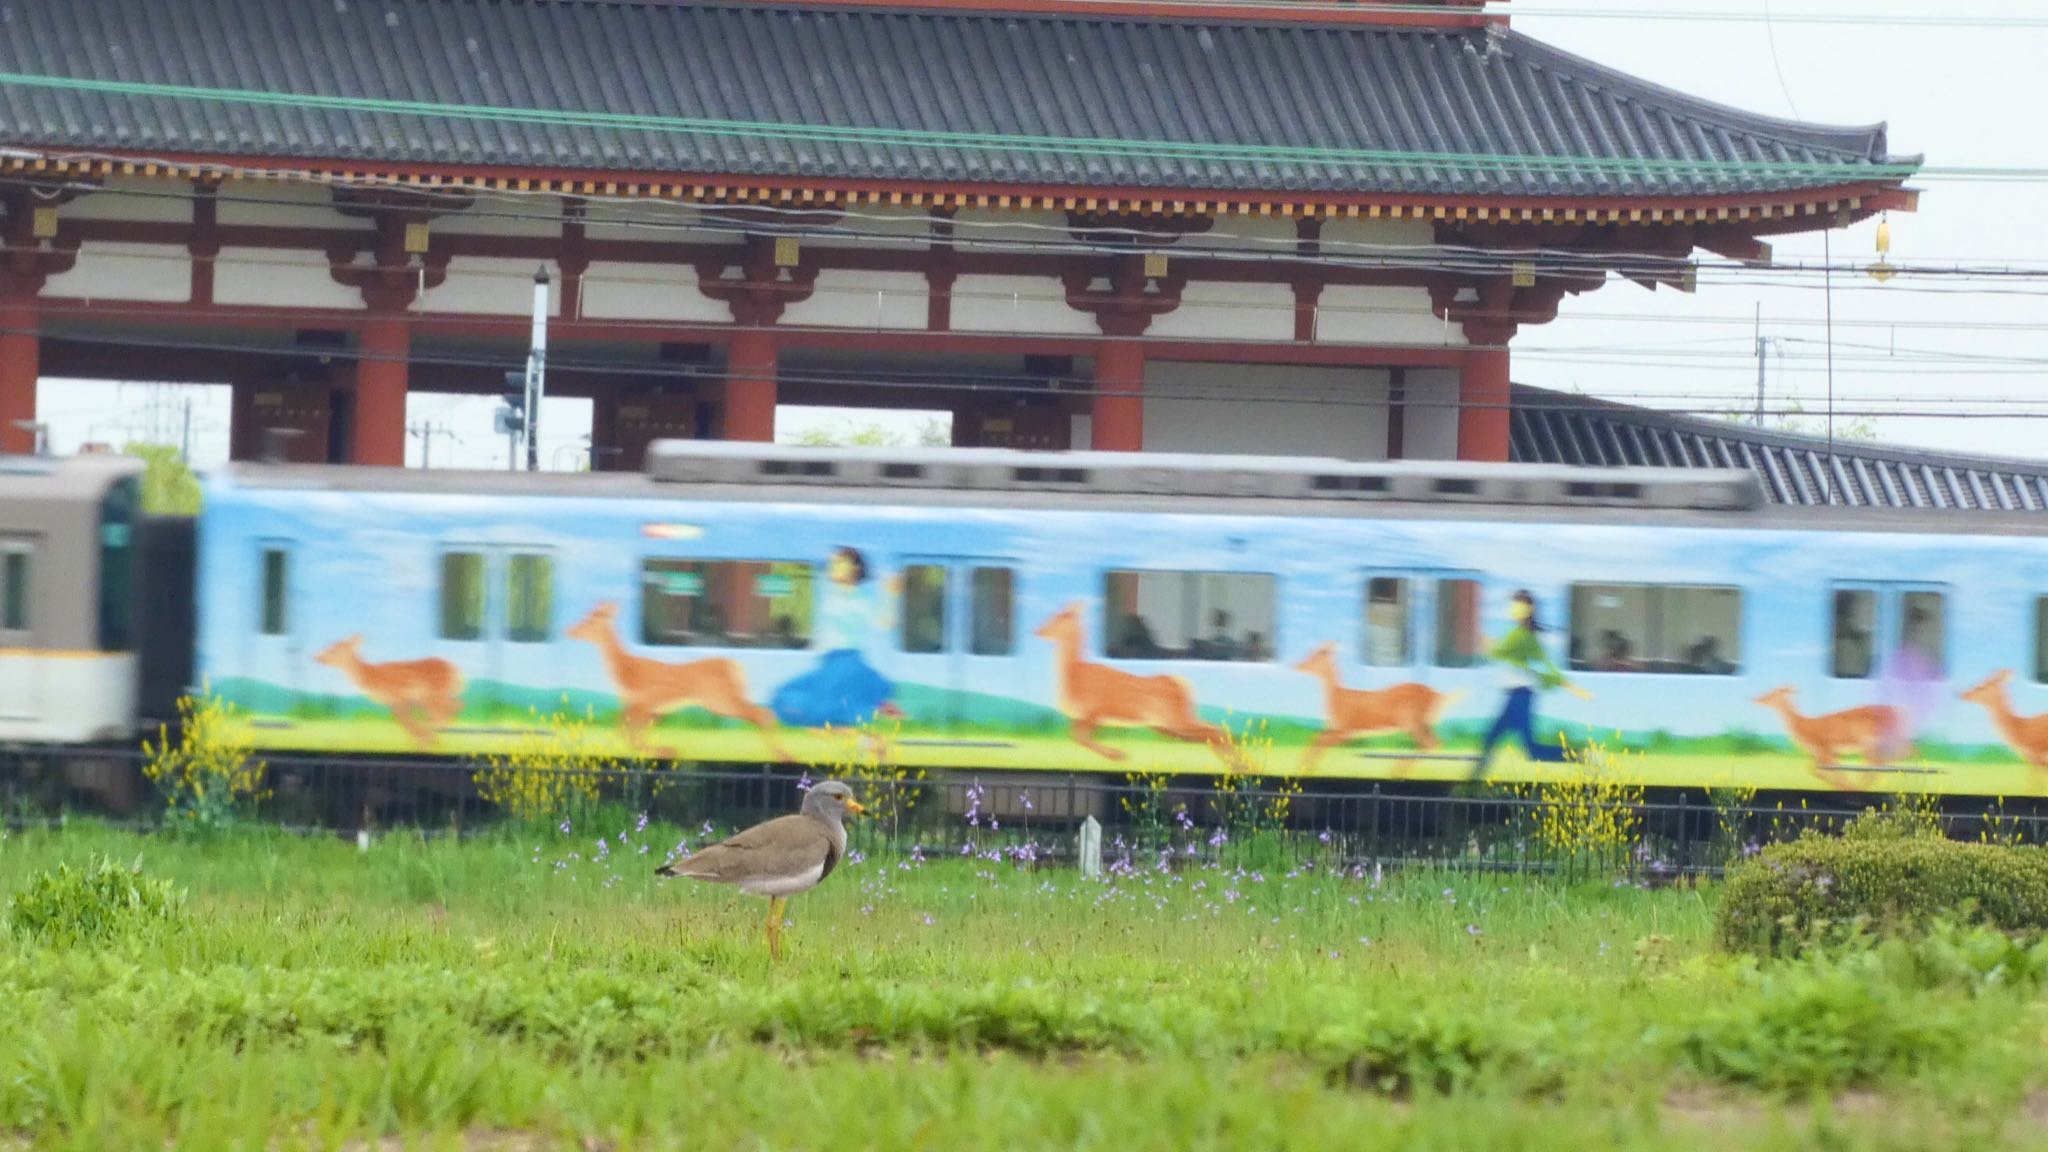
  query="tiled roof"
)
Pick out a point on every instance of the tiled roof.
point(1065, 77)
point(1558, 428)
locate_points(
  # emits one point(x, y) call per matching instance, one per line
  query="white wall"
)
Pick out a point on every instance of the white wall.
point(281, 205)
point(1359, 314)
point(869, 300)
point(1036, 304)
point(1429, 425)
point(113, 271)
point(1266, 410)
point(134, 198)
point(617, 291)
point(279, 278)
point(1213, 311)
point(493, 286)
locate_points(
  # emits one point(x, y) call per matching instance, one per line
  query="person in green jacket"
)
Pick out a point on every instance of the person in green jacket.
point(1527, 667)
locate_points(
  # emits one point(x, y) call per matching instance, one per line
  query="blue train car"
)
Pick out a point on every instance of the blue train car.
point(1101, 612)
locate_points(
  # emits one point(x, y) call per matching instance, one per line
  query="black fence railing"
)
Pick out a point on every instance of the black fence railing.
point(1020, 818)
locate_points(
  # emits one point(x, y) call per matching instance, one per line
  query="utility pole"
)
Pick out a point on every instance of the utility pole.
point(536, 368)
point(1759, 365)
point(426, 432)
point(185, 441)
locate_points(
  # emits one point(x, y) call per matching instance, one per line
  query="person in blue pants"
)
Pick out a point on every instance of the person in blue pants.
point(1527, 668)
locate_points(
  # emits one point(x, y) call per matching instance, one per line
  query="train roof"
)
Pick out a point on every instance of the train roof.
point(64, 479)
point(1187, 483)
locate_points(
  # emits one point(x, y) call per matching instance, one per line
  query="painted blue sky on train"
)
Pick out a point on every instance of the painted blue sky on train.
point(367, 563)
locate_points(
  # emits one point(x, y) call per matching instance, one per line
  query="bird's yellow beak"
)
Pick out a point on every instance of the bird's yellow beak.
point(854, 806)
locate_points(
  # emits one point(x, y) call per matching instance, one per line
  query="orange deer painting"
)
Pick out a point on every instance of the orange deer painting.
point(649, 689)
point(2026, 735)
point(423, 695)
point(1092, 695)
point(1349, 713)
point(1872, 731)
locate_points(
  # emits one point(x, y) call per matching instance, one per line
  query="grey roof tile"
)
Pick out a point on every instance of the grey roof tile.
point(1068, 77)
point(1560, 428)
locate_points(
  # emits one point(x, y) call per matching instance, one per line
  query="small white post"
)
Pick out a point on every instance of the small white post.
point(362, 839)
point(1091, 849)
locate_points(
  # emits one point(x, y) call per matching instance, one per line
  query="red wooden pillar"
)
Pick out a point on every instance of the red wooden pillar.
point(1118, 410)
point(750, 386)
point(20, 368)
point(381, 372)
point(1483, 394)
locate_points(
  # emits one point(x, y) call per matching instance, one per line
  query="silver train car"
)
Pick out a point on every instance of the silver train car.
point(95, 610)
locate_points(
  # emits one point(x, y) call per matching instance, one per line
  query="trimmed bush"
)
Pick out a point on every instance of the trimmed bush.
point(1819, 888)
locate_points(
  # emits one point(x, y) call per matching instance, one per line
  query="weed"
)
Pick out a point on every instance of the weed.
point(65, 907)
point(208, 776)
point(555, 771)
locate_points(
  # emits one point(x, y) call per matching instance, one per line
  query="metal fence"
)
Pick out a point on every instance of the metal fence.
point(1027, 818)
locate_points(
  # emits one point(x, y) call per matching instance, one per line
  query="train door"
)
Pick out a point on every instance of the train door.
point(1422, 626)
point(20, 685)
point(956, 632)
point(1887, 643)
point(277, 650)
point(464, 631)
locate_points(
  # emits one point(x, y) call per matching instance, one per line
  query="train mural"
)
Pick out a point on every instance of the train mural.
point(1742, 648)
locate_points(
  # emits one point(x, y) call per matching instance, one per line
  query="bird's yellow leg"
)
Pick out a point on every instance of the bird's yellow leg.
point(775, 906)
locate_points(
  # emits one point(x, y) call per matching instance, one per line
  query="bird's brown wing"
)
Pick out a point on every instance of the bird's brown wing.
point(784, 846)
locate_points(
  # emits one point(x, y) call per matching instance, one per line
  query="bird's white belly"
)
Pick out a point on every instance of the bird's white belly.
point(783, 885)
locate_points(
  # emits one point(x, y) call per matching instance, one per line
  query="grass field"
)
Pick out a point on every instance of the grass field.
point(541, 991)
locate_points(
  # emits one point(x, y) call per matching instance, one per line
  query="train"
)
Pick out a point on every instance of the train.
point(998, 611)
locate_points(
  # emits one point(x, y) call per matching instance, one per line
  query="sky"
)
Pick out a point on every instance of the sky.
point(1959, 357)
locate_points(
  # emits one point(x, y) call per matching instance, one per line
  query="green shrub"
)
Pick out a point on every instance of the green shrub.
point(1882, 877)
point(1828, 1025)
point(61, 906)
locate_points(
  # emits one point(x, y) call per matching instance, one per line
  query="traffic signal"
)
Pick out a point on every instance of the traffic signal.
point(512, 417)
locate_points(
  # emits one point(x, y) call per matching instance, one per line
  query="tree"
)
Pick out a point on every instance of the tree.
point(1794, 419)
point(930, 433)
point(169, 487)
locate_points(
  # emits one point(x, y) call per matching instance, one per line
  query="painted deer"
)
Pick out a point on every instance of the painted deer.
point(1349, 713)
point(1092, 695)
point(649, 689)
point(1870, 731)
point(423, 695)
point(2026, 735)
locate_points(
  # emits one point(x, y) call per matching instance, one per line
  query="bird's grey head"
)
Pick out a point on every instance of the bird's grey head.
point(831, 801)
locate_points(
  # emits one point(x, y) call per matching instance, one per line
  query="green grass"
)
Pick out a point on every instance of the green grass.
point(528, 991)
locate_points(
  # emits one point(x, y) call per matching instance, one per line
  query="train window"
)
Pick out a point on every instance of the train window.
point(117, 565)
point(462, 596)
point(1458, 638)
point(742, 604)
point(1189, 616)
point(995, 591)
point(924, 608)
point(1656, 628)
point(529, 598)
point(2041, 640)
point(1923, 627)
point(1386, 621)
point(1851, 648)
point(14, 577)
point(276, 563)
